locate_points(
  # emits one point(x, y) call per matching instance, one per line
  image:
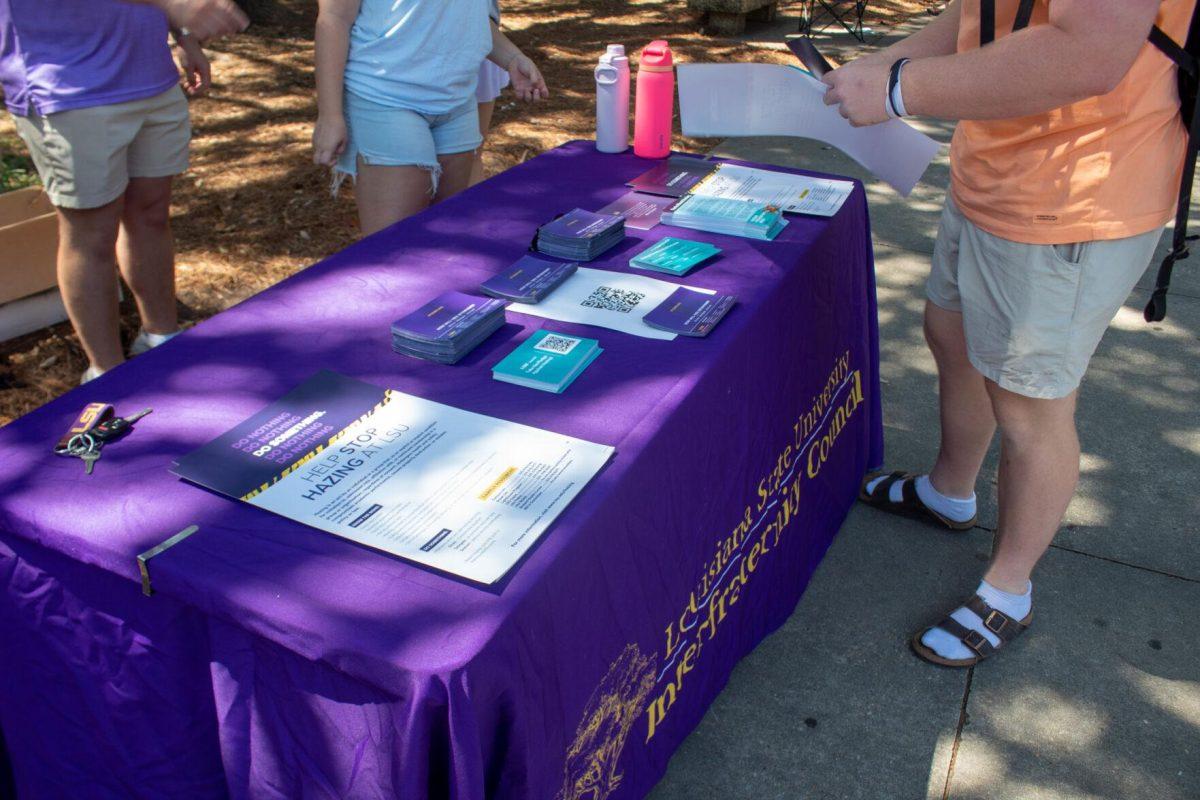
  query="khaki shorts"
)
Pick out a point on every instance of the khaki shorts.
point(1032, 314)
point(86, 156)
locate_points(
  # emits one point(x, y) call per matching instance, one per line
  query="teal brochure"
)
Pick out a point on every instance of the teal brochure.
point(674, 256)
point(547, 361)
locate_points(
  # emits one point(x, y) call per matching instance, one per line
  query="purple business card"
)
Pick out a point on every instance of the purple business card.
point(528, 280)
point(690, 313)
point(579, 224)
point(641, 211)
point(450, 315)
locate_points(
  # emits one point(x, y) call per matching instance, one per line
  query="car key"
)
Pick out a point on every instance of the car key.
point(90, 457)
point(117, 427)
point(84, 446)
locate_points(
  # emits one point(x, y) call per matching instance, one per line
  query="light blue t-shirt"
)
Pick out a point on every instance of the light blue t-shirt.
point(422, 55)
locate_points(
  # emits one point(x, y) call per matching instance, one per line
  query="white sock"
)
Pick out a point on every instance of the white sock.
point(146, 341)
point(948, 646)
point(959, 509)
point(155, 339)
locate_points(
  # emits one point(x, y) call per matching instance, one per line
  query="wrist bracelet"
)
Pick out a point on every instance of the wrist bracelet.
point(895, 95)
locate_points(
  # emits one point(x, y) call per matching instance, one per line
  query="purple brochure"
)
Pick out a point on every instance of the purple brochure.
point(689, 313)
point(641, 211)
point(528, 280)
point(578, 224)
point(450, 315)
point(674, 177)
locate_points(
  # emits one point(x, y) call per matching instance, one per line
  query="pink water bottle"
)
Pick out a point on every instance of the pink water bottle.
point(654, 107)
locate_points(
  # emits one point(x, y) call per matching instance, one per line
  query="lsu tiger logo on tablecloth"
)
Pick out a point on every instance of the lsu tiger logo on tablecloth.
point(590, 771)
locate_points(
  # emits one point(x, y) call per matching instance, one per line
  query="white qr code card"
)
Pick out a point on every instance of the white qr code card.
point(613, 300)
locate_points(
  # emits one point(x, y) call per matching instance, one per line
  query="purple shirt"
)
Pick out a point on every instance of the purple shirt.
point(56, 55)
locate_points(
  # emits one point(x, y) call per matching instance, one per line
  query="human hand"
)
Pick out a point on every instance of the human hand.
point(859, 90)
point(329, 140)
point(204, 19)
point(527, 81)
point(197, 74)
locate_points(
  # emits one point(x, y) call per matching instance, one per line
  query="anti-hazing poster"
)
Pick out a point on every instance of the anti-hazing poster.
point(457, 491)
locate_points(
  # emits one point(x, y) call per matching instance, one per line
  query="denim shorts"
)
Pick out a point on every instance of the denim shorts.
point(399, 137)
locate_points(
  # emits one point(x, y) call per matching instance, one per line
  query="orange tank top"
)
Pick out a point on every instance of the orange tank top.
point(1103, 168)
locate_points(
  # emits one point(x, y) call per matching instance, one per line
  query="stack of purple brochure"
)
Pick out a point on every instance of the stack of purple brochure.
point(528, 280)
point(580, 235)
point(446, 329)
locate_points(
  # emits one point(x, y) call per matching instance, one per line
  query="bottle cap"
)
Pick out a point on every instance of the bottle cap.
point(615, 51)
point(657, 54)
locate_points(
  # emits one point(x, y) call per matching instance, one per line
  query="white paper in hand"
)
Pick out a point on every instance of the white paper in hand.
point(778, 100)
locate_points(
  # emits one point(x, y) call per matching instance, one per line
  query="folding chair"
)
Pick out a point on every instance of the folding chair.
point(847, 13)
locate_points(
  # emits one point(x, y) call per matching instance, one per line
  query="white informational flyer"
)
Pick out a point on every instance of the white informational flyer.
point(779, 100)
point(606, 299)
point(797, 194)
point(458, 491)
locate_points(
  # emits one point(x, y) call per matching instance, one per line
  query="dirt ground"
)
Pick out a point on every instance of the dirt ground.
point(253, 209)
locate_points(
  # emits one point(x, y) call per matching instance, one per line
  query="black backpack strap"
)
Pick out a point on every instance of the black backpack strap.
point(987, 22)
point(1156, 308)
point(987, 19)
point(1182, 58)
point(1024, 14)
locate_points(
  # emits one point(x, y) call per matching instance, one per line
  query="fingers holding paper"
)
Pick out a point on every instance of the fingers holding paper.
point(859, 90)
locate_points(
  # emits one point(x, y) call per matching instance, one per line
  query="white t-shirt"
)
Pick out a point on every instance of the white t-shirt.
point(422, 55)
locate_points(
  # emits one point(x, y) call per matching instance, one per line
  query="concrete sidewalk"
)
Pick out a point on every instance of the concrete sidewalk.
point(1100, 700)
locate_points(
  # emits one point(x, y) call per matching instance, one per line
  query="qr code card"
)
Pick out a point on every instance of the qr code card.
point(608, 298)
point(556, 344)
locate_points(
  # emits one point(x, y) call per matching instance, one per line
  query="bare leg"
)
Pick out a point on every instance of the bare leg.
point(386, 195)
point(146, 252)
point(968, 422)
point(1039, 469)
point(456, 174)
point(485, 122)
point(87, 278)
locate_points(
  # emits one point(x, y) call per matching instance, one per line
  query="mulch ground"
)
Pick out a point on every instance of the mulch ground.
point(254, 209)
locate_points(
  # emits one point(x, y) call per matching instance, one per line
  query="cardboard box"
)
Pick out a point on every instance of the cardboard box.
point(28, 244)
point(29, 298)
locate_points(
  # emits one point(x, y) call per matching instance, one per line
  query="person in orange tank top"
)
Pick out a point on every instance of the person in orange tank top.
point(1065, 167)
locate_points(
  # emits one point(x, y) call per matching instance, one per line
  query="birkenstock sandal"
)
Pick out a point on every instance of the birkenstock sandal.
point(1004, 627)
point(910, 504)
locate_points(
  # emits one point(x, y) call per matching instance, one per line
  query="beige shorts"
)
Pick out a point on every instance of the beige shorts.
point(1032, 314)
point(86, 156)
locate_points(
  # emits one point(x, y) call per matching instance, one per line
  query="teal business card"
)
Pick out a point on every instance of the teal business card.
point(547, 361)
point(674, 256)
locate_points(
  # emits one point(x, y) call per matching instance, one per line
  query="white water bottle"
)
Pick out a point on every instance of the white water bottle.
point(612, 101)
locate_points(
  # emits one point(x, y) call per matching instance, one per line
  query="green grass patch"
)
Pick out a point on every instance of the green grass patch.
point(16, 168)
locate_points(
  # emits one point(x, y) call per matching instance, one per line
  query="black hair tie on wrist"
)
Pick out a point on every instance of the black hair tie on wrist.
point(894, 81)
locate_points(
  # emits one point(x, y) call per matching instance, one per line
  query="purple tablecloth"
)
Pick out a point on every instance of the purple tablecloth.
point(276, 661)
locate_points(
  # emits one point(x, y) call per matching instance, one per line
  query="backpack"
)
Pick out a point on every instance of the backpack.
point(1187, 61)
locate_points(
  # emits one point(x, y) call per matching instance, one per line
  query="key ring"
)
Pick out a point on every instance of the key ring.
point(79, 444)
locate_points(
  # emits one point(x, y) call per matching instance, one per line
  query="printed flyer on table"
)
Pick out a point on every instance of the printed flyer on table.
point(457, 491)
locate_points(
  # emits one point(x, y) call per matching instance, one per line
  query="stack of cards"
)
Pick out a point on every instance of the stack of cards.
point(447, 328)
point(690, 313)
point(748, 218)
point(674, 256)
point(547, 361)
point(580, 235)
point(528, 280)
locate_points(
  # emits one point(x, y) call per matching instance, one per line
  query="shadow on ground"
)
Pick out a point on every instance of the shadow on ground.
point(1100, 700)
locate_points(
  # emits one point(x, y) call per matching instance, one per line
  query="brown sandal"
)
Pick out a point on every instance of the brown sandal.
point(1004, 627)
point(910, 504)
